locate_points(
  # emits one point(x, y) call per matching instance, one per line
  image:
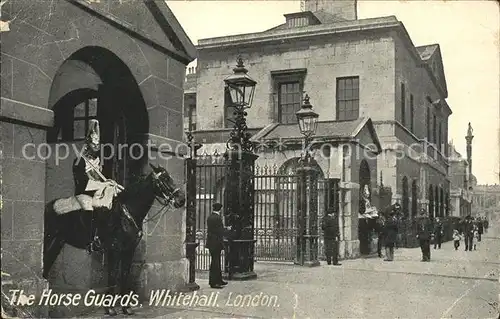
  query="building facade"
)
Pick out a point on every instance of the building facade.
point(64, 63)
point(460, 184)
point(486, 201)
point(352, 70)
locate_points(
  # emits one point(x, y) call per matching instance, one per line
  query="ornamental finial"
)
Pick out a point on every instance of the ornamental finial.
point(240, 67)
point(306, 99)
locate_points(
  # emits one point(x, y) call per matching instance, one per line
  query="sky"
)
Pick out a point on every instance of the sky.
point(467, 32)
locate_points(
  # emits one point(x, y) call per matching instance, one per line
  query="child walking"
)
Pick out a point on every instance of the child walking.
point(476, 239)
point(456, 239)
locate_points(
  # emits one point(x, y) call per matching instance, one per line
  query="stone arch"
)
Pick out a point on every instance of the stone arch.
point(289, 167)
point(414, 198)
point(364, 179)
point(92, 78)
point(405, 197)
point(365, 226)
point(96, 73)
point(285, 190)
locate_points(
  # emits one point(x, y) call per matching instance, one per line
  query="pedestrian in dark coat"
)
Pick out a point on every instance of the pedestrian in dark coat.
point(438, 233)
point(390, 236)
point(329, 225)
point(380, 232)
point(424, 232)
point(468, 233)
point(215, 244)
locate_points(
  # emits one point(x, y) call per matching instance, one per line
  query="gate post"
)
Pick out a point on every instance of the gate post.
point(307, 216)
point(239, 198)
point(191, 243)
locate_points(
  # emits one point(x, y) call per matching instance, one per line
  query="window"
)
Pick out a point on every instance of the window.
point(287, 94)
point(434, 129)
point(347, 98)
point(412, 113)
point(82, 114)
point(192, 117)
point(403, 104)
point(289, 101)
point(229, 118)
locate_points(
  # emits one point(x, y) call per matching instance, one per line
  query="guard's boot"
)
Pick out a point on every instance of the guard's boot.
point(110, 312)
point(127, 311)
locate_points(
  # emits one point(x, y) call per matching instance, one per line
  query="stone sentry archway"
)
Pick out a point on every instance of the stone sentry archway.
point(92, 83)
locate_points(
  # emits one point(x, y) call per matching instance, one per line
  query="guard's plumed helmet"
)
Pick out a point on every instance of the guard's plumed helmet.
point(93, 136)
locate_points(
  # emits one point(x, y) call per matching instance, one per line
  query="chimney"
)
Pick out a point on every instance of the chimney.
point(346, 9)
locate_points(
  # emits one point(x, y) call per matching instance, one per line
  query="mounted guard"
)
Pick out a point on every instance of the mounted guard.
point(369, 210)
point(93, 191)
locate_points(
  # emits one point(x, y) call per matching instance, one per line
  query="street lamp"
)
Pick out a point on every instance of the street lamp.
point(239, 193)
point(307, 193)
point(308, 123)
point(241, 88)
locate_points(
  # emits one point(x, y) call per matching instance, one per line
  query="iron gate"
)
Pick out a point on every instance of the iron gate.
point(210, 178)
point(276, 214)
point(275, 221)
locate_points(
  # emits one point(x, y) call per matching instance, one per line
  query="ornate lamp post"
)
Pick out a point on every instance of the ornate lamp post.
point(239, 192)
point(191, 243)
point(307, 192)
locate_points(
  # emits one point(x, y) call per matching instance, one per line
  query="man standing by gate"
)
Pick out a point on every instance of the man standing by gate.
point(329, 225)
point(424, 235)
point(215, 244)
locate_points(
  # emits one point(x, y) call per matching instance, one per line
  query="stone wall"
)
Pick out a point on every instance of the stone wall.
point(41, 38)
point(371, 57)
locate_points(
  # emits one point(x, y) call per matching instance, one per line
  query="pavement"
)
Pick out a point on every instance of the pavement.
point(455, 284)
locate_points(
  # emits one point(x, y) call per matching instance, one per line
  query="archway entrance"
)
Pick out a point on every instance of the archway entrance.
point(93, 83)
point(365, 225)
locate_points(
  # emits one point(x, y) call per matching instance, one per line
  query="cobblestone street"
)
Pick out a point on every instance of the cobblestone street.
point(455, 284)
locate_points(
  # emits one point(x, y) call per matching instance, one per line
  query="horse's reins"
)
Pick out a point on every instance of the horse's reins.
point(165, 205)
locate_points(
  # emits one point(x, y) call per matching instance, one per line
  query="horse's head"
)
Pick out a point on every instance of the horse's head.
point(165, 187)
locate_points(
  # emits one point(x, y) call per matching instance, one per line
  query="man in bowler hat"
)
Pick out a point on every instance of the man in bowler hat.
point(424, 232)
point(329, 225)
point(215, 244)
point(468, 233)
point(391, 233)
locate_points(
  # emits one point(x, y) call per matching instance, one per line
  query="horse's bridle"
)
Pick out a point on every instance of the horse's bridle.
point(163, 186)
point(166, 198)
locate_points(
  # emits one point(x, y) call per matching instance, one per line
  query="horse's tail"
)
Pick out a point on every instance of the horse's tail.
point(53, 241)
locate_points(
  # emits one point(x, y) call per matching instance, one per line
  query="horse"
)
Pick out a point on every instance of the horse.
point(119, 230)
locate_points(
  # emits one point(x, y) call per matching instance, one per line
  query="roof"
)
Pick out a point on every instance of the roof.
point(333, 25)
point(150, 19)
point(327, 131)
point(426, 51)
point(323, 17)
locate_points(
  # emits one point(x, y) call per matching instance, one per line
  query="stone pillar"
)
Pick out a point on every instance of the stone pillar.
point(307, 217)
point(239, 199)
